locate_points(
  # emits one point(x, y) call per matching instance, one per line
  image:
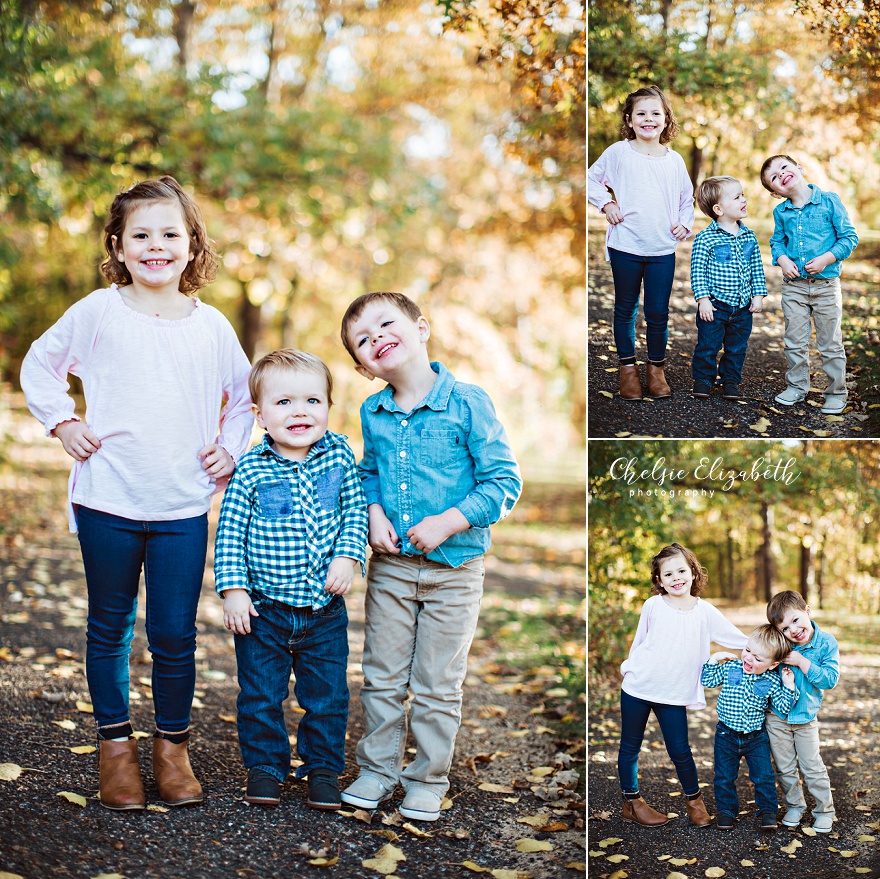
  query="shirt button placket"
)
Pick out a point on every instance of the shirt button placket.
point(404, 498)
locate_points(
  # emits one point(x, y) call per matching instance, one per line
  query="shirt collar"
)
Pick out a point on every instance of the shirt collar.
point(267, 448)
point(815, 198)
point(436, 399)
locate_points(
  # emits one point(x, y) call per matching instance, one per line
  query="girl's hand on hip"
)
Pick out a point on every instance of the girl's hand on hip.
point(217, 462)
point(77, 439)
point(613, 213)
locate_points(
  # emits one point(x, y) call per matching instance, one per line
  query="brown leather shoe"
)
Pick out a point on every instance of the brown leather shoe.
point(120, 785)
point(173, 772)
point(630, 386)
point(639, 811)
point(656, 381)
point(697, 812)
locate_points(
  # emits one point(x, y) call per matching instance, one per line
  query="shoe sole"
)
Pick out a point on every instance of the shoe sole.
point(361, 803)
point(263, 801)
point(789, 824)
point(131, 808)
point(701, 396)
point(418, 815)
point(192, 801)
point(724, 828)
point(788, 402)
point(727, 397)
point(822, 831)
point(633, 821)
point(324, 807)
point(769, 829)
point(833, 411)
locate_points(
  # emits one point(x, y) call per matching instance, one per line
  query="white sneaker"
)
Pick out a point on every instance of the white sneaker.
point(790, 396)
point(421, 804)
point(833, 405)
point(366, 792)
point(823, 823)
point(792, 817)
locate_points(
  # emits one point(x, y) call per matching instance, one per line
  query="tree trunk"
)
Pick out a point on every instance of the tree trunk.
point(696, 162)
point(806, 572)
point(766, 551)
point(734, 589)
point(820, 570)
point(249, 323)
point(183, 16)
point(288, 329)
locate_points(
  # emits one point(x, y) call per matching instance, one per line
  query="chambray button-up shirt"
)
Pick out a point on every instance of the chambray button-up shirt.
point(449, 451)
point(742, 702)
point(727, 267)
point(821, 225)
point(823, 674)
point(282, 522)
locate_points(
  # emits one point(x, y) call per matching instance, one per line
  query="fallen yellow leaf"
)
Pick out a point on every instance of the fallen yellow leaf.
point(808, 831)
point(72, 798)
point(510, 874)
point(5, 875)
point(152, 807)
point(496, 788)
point(607, 394)
point(65, 724)
point(84, 749)
point(415, 831)
point(746, 863)
point(576, 865)
point(324, 862)
point(85, 707)
point(623, 433)
point(385, 860)
point(9, 771)
point(676, 875)
point(542, 771)
point(715, 872)
point(538, 820)
point(109, 876)
point(537, 845)
point(610, 840)
point(616, 859)
point(865, 837)
point(848, 854)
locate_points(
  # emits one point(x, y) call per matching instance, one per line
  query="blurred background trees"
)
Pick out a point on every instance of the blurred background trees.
point(335, 147)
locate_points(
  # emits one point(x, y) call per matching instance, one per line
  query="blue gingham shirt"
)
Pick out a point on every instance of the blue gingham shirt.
point(820, 226)
point(823, 674)
point(282, 522)
point(727, 267)
point(450, 450)
point(742, 702)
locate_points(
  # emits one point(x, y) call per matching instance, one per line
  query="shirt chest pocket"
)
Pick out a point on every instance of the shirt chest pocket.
point(327, 487)
point(761, 690)
point(274, 500)
point(441, 448)
point(723, 253)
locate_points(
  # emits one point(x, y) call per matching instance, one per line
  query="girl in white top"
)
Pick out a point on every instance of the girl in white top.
point(662, 674)
point(643, 189)
point(167, 414)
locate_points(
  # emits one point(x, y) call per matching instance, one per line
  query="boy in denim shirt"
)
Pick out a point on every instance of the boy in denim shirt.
point(747, 686)
point(794, 734)
point(812, 236)
point(727, 277)
point(438, 471)
point(292, 531)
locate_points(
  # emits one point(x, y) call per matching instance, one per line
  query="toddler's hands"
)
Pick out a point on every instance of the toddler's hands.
point(705, 309)
point(382, 537)
point(238, 610)
point(679, 232)
point(789, 269)
point(787, 678)
point(613, 213)
point(757, 304)
point(818, 263)
point(216, 462)
point(339, 575)
point(77, 439)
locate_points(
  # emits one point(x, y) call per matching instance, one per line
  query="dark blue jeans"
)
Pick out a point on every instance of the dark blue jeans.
point(629, 271)
point(314, 644)
point(172, 556)
point(634, 714)
point(728, 333)
point(730, 747)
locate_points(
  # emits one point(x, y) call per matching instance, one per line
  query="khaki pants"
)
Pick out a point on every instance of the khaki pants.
point(420, 620)
point(796, 745)
point(807, 303)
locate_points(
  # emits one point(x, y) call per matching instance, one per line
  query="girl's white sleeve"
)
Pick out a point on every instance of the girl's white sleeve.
point(686, 200)
point(64, 348)
point(641, 632)
point(236, 417)
point(600, 178)
point(724, 632)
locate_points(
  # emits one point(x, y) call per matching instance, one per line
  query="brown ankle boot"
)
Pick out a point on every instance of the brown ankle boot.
point(656, 380)
point(639, 811)
point(173, 772)
point(630, 386)
point(120, 786)
point(697, 812)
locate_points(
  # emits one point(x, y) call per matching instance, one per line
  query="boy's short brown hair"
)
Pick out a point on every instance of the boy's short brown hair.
point(356, 309)
point(709, 193)
point(701, 578)
point(287, 358)
point(767, 164)
point(772, 642)
point(781, 603)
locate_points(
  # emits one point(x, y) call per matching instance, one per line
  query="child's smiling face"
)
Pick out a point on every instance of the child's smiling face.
point(676, 576)
point(783, 176)
point(732, 203)
point(796, 626)
point(648, 119)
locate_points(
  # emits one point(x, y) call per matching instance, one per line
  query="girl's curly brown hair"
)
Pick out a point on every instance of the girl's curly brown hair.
point(650, 91)
point(201, 269)
point(701, 578)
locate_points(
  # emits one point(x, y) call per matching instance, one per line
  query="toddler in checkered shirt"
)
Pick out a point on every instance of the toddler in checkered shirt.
point(292, 532)
point(748, 685)
point(727, 277)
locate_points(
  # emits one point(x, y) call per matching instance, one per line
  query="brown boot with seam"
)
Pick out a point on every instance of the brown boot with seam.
point(630, 386)
point(639, 811)
point(697, 812)
point(120, 786)
point(173, 773)
point(656, 381)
